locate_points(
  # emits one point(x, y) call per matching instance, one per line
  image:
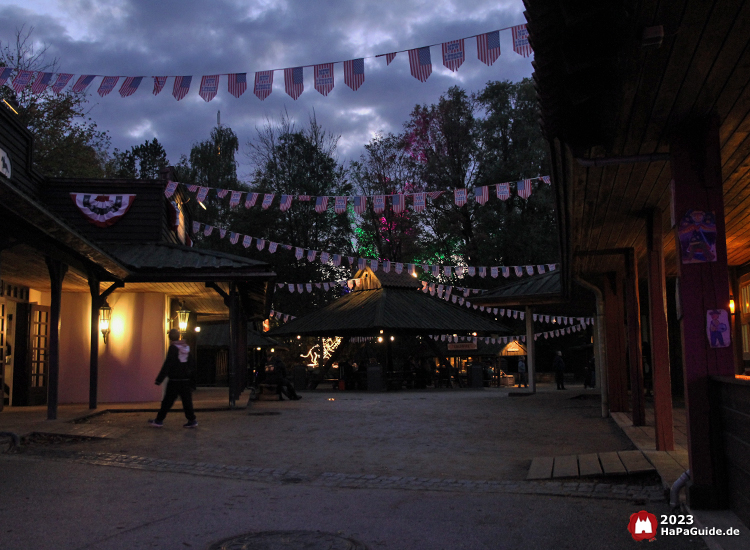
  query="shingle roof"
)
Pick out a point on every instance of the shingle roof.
point(161, 255)
point(395, 310)
point(547, 284)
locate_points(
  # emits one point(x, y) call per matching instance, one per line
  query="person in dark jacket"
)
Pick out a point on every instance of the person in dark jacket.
point(559, 366)
point(177, 368)
point(276, 374)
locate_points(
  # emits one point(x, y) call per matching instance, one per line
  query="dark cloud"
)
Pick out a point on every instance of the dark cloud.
point(188, 37)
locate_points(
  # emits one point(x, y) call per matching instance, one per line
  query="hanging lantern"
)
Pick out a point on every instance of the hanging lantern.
point(105, 315)
point(182, 318)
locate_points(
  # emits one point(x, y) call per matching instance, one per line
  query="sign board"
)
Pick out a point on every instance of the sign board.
point(462, 346)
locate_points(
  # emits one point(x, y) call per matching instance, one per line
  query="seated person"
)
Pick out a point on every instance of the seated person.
point(276, 374)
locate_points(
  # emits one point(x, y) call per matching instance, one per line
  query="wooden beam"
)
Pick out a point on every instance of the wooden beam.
point(635, 358)
point(614, 318)
point(97, 301)
point(530, 350)
point(657, 305)
point(57, 272)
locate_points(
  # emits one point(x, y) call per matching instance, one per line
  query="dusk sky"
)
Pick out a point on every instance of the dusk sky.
point(189, 37)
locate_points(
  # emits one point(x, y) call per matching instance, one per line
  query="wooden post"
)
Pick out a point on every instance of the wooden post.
point(530, 345)
point(635, 358)
point(234, 338)
point(96, 303)
point(614, 318)
point(57, 271)
point(704, 287)
point(657, 305)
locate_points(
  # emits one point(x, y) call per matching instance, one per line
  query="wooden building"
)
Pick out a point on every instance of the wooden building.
point(74, 250)
point(646, 108)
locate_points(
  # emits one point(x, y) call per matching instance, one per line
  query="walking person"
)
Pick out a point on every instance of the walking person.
point(177, 368)
point(522, 381)
point(559, 366)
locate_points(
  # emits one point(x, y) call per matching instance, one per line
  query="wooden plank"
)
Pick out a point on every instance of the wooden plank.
point(669, 469)
point(588, 465)
point(565, 466)
point(635, 462)
point(611, 464)
point(541, 468)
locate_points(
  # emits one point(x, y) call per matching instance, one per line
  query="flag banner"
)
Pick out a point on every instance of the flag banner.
point(260, 244)
point(321, 204)
point(488, 47)
point(222, 193)
point(361, 263)
point(303, 198)
point(159, 82)
point(102, 210)
point(454, 54)
point(234, 237)
point(108, 84)
point(208, 230)
point(448, 270)
point(263, 84)
point(481, 194)
point(209, 87)
point(529, 269)
point(523, 188)
point(237, 84)
point(472, 271)
point(551, 267)
point(467, 291)
point(324, 257)
point(482, 272)
point(459, 195)
point(300, 288)
point(339, 206)
point(360, 203)
point(354, 73)
point(448, 291)
point(294, 84)
point(540, 269)
point(459, 271)
point(515, 315)
point(250, 200)
point(378, 203)
point(130, 85)
point(388, 57)
point(5, 75)
point(420, 200)
point(434, 270)
point(425, 268)
point(521, 314)
point(267, 200)
point(222, 233)
point(398, 203)
point(41, 83)
point(202, 194)
point(181, 86)
point(311, 255)
point(519, 270)
point(82, 83)
point(272, 247)
point(234, 200)
point(503, 191)
point(192, 188)
point(420, 63)
point(432, 195)
point(323, 78)
point(299, 252)
point(546, 179)
point(337, 260)
point(196, 227)
point(23, 78)
point(521, 43)
point(351, 260)
point(326, 287)
point(461, 302)
point(350, 284)
point(412, 269)
point(387, 266)
point(494, 272)
point(170, 189)
point(374, 265)
point(506, 272)
point(61, 82)
point(246, 241)
point(308, 287)
point(454, 298)
point(286, 202)
point(399, 267)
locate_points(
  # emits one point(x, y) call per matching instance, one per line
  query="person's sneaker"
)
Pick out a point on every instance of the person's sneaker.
point(155, 423)
point(190, 424)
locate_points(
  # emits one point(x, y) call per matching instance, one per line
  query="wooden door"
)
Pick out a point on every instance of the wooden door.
point(38, 357)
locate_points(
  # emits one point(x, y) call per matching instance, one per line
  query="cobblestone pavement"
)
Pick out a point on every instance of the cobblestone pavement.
point(595, 489)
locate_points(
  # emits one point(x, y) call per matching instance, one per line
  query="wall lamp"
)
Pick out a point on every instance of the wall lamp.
point(731, 304)
point(105, 315)
point(182, 318)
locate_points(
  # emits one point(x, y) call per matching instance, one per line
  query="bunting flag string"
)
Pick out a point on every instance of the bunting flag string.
point(448, 270)
point(502, 340)
point(399, 201)
point(420, 63)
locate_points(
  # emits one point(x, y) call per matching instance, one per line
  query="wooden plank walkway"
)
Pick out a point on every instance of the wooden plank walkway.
point(592, 464)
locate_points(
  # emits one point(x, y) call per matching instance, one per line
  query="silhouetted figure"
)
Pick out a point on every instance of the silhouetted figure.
point(177, 368)
point(559, 366)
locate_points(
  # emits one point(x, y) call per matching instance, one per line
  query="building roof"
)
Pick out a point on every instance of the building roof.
point(217, 335)
point(393, 310)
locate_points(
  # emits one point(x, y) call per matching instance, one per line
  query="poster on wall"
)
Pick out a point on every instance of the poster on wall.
point(697, 233)
point(717, 328)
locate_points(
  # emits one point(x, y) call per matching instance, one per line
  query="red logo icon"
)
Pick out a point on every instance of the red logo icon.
point(642, 526)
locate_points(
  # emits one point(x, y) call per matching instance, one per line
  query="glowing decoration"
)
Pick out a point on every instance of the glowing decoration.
point(182, 318)
point(330, 345)
point(105, 314)
point(312, 355)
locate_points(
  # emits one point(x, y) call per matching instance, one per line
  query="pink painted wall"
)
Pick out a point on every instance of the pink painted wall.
point(132, 357)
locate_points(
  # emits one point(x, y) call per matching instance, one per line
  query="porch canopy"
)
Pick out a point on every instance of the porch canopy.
point(392, 303)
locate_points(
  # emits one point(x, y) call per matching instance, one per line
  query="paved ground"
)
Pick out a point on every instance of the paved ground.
point(425, 470)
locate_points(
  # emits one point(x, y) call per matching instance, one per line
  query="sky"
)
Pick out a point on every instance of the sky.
point(191, 37)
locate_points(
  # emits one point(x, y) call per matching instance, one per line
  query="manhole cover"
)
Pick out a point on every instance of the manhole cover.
point(288, 540)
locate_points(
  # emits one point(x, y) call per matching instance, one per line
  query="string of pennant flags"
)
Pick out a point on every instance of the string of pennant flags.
point(386, 265)
point(507, 339)
point(398, 201)
point(420, 65)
